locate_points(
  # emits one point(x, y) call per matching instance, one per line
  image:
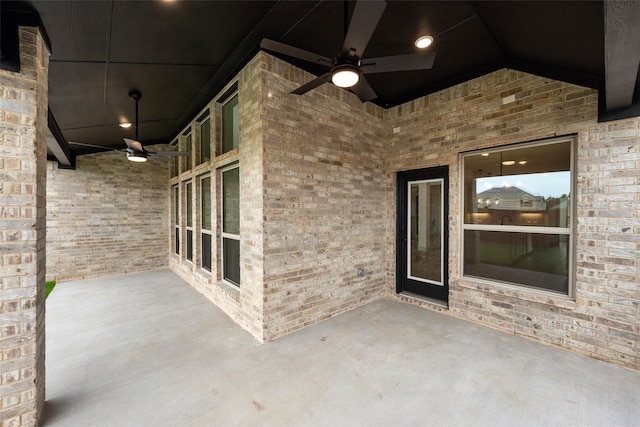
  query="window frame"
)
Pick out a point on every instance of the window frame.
point(206, 231)
point(188, 222)
point(225, 235)
point(569, 230)
point(174, 161)
point(204, 118)
point(236, 124)
point(175, 192)
point(187, 145)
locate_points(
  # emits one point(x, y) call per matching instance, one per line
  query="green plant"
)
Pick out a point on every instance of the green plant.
point(48, 287)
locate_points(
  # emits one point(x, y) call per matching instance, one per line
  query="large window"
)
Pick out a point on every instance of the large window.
point(175, 213)
point(187, 146)
point(175, 161)
point(231, 225)
point(205, 140)
point(205, 222)
point(188, 209)
point(517, 215)
point(230, 124)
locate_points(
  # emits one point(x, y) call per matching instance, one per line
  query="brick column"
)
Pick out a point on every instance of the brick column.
point(23, 162)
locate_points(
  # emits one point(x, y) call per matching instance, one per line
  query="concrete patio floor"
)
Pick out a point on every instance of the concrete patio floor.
point(146, 349)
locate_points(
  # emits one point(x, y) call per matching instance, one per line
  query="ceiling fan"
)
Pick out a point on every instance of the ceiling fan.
point(135, 151)
point(347, 70)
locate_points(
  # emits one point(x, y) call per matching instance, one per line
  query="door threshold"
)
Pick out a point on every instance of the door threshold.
point(422, 298)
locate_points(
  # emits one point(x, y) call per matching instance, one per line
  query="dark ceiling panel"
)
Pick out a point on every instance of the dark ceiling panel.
point(81, 29)
point(566, 34)
point(403, 22)
point(79, 98)
point(76, 94)
point(182, 32)
point(463, 49)
point(327, 20)
point(166, 90)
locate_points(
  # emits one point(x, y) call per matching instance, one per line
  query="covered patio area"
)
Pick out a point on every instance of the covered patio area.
point(146, 349)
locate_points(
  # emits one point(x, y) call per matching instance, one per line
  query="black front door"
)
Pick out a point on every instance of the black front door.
point(422, 236)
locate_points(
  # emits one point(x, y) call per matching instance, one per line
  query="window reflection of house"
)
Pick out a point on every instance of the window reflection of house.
point(510, 198)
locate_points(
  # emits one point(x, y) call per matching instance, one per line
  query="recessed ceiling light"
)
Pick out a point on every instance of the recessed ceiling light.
point(522, 162)
point(424, 42)
point(125, 125)
point(509, 162)
point(485, 154)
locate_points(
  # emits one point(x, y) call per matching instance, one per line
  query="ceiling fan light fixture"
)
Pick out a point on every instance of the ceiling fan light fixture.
point(136, 156)
point(345, 75)
point(423, 42)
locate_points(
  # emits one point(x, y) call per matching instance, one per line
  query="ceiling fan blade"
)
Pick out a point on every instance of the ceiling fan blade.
point(416, 61)
point(294, 52)
point(171, 153)
point(363, 90)
point(82, 144)
point(134, 145)
point(363, 22)
point(312, 84)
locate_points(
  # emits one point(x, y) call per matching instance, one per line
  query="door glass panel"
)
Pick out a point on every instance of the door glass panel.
point(425, 231)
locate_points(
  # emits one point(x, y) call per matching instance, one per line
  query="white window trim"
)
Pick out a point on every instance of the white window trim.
point(569, 230)
point(223, 234)
point(409, 231)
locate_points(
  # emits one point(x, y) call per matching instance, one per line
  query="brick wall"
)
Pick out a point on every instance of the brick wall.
point(311, 178)
point(108, 216)
point(318, 202)
point(324, 182)
point(608, 231)
point(250, 104)
point(244, 304)
point(602, 321)
point(317, 176)
point(23, 152)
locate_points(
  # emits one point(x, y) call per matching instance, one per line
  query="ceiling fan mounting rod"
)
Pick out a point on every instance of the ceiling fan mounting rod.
point(136, 96)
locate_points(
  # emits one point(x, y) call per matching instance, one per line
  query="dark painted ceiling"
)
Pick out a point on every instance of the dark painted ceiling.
point(179, 54)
